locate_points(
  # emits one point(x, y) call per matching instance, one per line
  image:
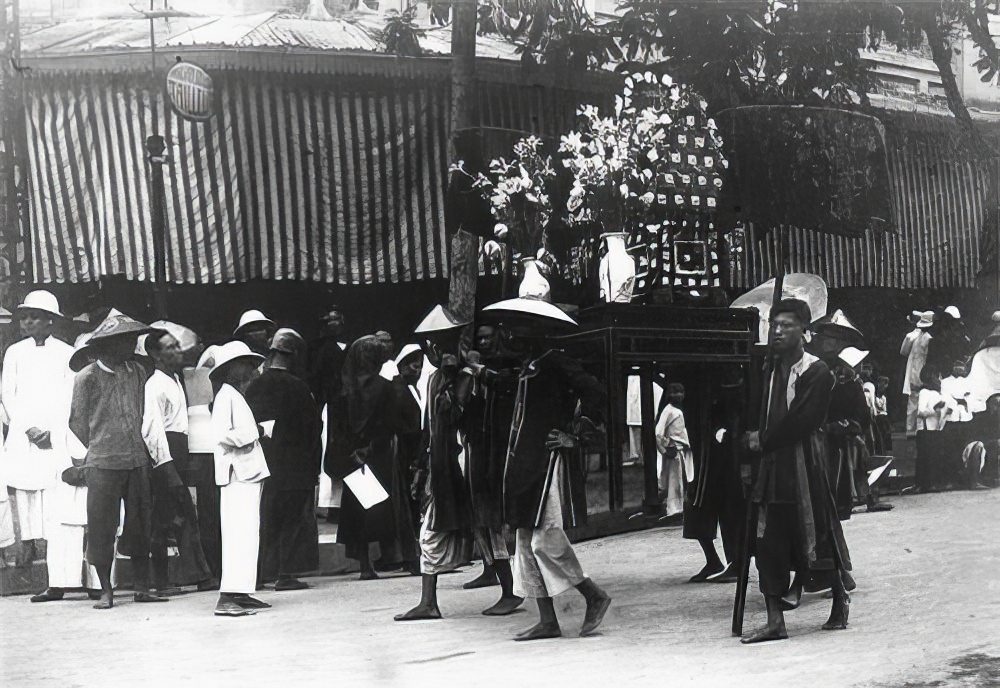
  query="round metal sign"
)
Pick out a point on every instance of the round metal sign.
point(191, 91)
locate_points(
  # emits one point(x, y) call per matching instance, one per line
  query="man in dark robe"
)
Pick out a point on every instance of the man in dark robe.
point(326, 364)
point(714, 501)
point(283, 405)
point(848, 420)
point(408, 445)
point(445, 534)
point(558, 407)
point(487, 427)
point(798, 528)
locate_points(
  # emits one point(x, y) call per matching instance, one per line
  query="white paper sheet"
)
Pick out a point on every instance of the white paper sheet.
point(366, 487)
point(877, 473)
point(268, 426)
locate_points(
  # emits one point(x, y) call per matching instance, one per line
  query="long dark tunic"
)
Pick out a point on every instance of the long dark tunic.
point(549, 389)
point(373, 443)
point(848, 419)
point(294, 450)
point(794, 466)
point(447, 396)
point(325, 367)
point(487, 425)
point(407, 448)
point(289, 534)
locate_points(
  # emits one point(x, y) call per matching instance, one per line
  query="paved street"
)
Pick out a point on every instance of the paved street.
point(926, 613)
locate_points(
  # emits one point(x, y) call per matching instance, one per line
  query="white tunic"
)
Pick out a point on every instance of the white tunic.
point(671, 431)
point(36, 390)
point(237, 451)
point(166, 394)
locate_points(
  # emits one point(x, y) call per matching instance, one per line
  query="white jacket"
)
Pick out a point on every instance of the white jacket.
point(237, 451)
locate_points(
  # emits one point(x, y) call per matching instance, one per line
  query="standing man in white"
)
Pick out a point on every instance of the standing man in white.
point(240, 470)
point(37, 386)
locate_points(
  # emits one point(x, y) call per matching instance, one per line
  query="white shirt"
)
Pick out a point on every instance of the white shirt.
point(36, 390)
point(633, 397)
point(671, 431)
point(957, 388)
point(915, 362)
point(929, 417)
point(389, 370)
point(165, 393)
point(237, 450)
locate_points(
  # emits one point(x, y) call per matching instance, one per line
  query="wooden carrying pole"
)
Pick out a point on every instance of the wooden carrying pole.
point(750, 522)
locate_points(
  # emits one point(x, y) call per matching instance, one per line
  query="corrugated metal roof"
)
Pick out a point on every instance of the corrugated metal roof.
point(263, 30)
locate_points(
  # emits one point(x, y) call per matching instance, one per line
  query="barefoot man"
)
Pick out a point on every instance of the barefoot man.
point(798, 528)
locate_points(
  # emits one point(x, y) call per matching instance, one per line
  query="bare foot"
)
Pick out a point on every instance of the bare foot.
point(486, 579)
point(596, 609)
point(419, 613)
point(766, 634)
point(540, 631)
point(107, 602)
point(505, 606)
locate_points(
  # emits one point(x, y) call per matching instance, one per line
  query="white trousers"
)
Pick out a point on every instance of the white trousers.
point(6, 521)
point(65, 558)
point(545, 564)
point(672, 482)
point(30, 515)
point(239, 515)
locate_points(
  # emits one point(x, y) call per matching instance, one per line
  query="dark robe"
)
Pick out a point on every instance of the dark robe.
point(369, 431)
point(793, 489)
point(549, 390)
point(407, 447)
point(289, 533)
point(447, 396)
point(325, 367)
point(487, 426)
point(848, 421)
point(714, 501)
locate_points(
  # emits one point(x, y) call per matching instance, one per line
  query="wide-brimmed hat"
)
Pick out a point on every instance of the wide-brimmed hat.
point(288, 341)
point(40, 300)
point(207, 358)
point(926, 320)
point(117, 324)
point(440, 319)
point(80, 352)
point(852, 356)
point(406, 352)
point(534, 309)
point(186, 338)
point(252, 317)
point(839, 326)
point(232, 351)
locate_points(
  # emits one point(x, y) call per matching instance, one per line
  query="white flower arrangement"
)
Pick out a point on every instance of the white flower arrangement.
point(519, 194)
point(650, 159)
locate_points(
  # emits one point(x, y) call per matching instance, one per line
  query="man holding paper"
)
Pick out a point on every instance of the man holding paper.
point(286, 411)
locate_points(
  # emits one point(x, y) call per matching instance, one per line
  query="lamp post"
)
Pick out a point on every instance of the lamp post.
point(156, 156)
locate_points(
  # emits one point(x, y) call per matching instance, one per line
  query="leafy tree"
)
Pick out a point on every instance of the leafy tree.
point(401, 35)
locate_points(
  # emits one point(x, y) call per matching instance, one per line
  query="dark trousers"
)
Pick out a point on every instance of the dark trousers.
point(289, 536)
point(105, 491)
point(198, 471)
point(174, 517)
point(934, 449)
point(779, 548)
point(722, 509)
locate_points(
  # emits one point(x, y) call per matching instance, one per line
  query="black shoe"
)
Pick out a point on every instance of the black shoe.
point(49, 595)
point(290, 584)
point(248, 602)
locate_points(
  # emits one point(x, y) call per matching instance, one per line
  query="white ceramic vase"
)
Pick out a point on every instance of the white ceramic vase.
point(617, 270)
point(533, 283)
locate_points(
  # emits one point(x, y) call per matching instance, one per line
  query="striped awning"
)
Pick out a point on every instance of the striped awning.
point(294, 178)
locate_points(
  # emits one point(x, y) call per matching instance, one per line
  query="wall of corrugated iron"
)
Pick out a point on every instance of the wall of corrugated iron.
point(939, 197)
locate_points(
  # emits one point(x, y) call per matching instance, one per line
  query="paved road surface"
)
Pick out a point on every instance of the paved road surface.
point(926, 613)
